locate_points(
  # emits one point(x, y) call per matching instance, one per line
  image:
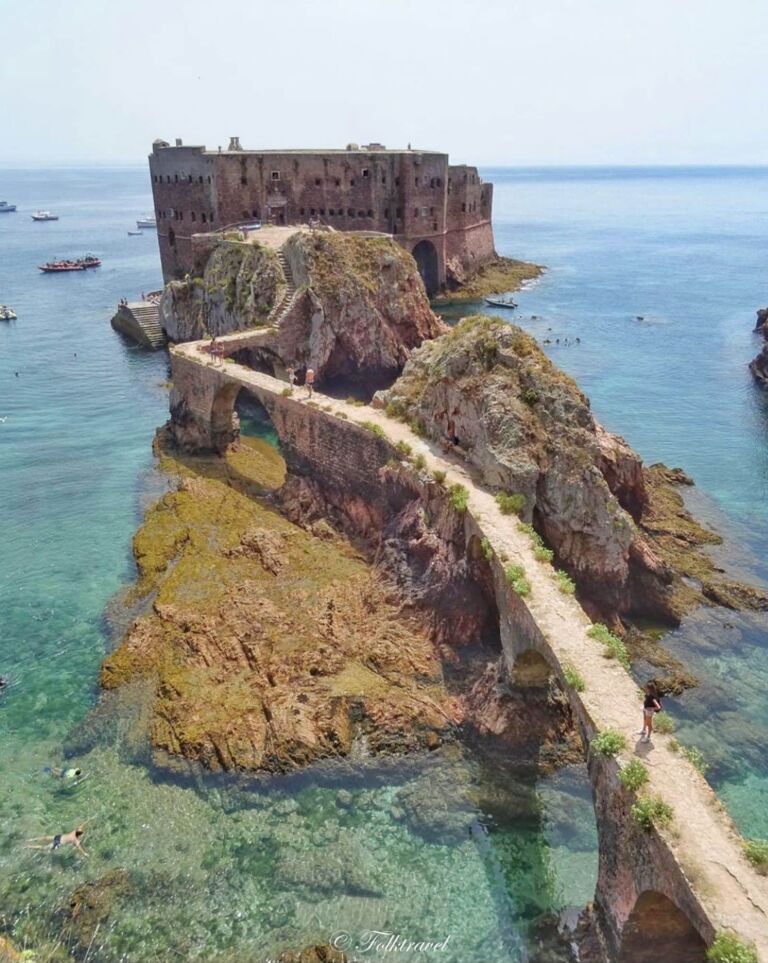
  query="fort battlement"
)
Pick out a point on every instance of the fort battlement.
point(438, 211)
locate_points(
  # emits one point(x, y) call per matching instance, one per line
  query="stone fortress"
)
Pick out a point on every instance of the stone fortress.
point(439, 212)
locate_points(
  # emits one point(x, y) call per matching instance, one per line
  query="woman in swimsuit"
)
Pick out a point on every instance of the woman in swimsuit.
point(651, 705)
point(62, 839)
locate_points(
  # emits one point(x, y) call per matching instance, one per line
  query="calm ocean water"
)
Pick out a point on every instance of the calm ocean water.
point(213, 872)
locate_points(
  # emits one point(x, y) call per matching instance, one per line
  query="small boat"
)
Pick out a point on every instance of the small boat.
point(89, 261)
point(501, 302)
point(6, 313)
point(58, 267)
point(6, 208)
point(146, 221)
point(44, 216)
point(135, 233)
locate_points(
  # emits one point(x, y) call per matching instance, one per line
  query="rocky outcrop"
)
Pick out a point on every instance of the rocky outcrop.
point(358, 311)
point(759, 365)
point(362, 307)
point(239, 286)
point(529, 432)
point(500, 275)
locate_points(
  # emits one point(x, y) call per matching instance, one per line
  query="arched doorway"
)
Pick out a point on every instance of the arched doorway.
point(425, 256)
point(658, 930)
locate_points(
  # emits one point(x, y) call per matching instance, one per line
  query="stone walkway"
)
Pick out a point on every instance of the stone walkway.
point(701, 836)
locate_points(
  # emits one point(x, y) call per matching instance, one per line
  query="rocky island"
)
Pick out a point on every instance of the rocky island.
point(759, 365)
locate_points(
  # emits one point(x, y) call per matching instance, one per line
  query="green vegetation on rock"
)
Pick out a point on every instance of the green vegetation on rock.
point(633, 775)
point(564, 582)
point(510, 504)
point(729, 948)
point(459, 497)
point(515, 576)
point(665, 724)
point(652, 811)
point(608, 743)
point(756, 851)
point(573, 677)
point(614, 647)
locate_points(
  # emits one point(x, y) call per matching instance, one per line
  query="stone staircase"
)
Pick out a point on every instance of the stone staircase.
point(147, 317)
point(140, 321)
point(283, 306)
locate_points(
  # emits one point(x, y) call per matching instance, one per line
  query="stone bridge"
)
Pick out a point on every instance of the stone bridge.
point(661, 895)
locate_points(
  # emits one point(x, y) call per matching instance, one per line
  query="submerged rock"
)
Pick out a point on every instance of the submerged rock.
point(759, 365)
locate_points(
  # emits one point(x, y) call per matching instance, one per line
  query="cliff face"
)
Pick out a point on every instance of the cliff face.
point(759, 365)
point(358, 311)
point(362, 307)
point(529, 431)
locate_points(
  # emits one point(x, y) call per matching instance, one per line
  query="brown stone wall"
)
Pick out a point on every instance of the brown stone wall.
point(412, 195)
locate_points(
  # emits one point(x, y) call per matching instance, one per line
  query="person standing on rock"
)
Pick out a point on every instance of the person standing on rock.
point(651, 705)
point(309, 381)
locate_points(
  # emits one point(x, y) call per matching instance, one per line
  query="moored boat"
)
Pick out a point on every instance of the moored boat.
point(44, 216)
point(89, 261)
point(6, 313)
point(58, 267)
point(134, 233)
point(501, 302)
point(146, 221)
point(6, 208)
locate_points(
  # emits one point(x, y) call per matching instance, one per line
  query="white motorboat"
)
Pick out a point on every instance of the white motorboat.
point(44, 216)
point(6, 208)
point(6, 313)
point(146, 221)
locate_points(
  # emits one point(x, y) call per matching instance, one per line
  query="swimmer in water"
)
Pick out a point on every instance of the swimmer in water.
point(66, 774)
point(53, 843)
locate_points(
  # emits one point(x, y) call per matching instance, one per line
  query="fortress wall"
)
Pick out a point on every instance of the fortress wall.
point(403, 193)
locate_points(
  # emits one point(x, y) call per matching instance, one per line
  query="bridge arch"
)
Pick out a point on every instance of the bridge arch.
point(425, 255)
point(657, 930)
point(531, 670)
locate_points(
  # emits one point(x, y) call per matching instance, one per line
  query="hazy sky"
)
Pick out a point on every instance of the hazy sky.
point(490, 81)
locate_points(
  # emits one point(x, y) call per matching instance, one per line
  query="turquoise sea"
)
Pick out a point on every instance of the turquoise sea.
point(215, 870)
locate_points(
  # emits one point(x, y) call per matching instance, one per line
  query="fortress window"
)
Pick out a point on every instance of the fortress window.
point(190, 178)
point(370, 213)
point(243, 180)
point(255, 213)
point(439, 182)
point(432, 182)
point(275, 175)
point(434, 226)
point(202, 217)
point(312, 212)
point(181, 215)
point(366, 172)
point(322, 212)
point(397, 182)
point(245, 215)
point(352, 182)
point(417, 181)
point(415, 212)
point(210, 216)
point(176, 178)
point(209, 178)
point(431, 212)
point(350, 212)
point(383, 178)
point(463, 207)
point(172, 237)
point(399, 212)
point(338, 182)
point(317, 182)
point(200, 179)
point(386, 213)
point(193, 216)
point(301, 212)
point(331, 212)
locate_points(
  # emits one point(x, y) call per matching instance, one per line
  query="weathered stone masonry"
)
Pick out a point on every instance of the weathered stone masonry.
point(439, 212)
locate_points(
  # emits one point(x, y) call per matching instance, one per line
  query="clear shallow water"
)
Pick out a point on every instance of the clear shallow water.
point(659, 274)
point(198, 870)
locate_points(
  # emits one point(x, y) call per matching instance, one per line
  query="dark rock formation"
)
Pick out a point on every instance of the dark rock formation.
point(759, 365)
